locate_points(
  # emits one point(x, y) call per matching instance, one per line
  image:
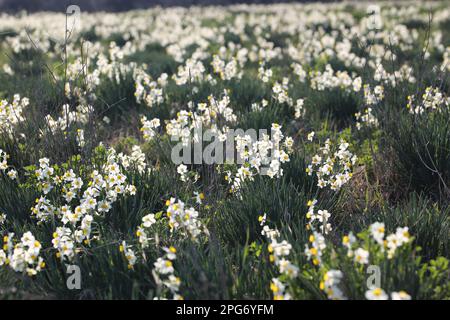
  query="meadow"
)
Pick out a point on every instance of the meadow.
point(346, 195)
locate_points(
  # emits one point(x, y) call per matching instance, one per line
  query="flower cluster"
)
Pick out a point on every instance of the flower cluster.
point(183, 219)
point(142, 231)
point(264, 74)
point(136, 160)
point(79, 204)
point(278, 253)
point(366, 118)
point(432, 100)
point(22, 256)
point(183, 172)
point(261, 157)
point(181, 127)
point(331, 284)
point(388, 244)
point(130, 255)
point(329, 79)
point(316, 249)
point(164, 273)
point(10, 172)
point(280, 92)
point(318, 220)
point(333, 169)
point(227, 71)
point(149, 127)
point(211, 68)
point(67, 118)
point(12, 113)
point(191, 71)
point(373, 97)
point(148, 90)
point(299, 110)
point(360, 253)
point(380, 294)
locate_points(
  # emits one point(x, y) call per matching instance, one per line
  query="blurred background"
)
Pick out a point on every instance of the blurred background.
point(115, 5)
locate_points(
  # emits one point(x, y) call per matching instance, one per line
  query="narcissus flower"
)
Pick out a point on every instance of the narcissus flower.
point(376, 294)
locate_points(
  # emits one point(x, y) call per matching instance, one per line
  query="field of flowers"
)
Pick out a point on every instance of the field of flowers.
point(112, 131)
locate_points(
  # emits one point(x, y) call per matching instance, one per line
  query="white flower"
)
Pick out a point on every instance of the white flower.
point(330, 284)
point(286, 267)
point(12, 174)
point(377, 231)
point(129, 254)
point(172, 283)
point(401, 295)
point(163, 266)
point(402, 235)
point(199, 197)
point(376, 294)
point(299, 108)
point(149, 127)
point(323, 215)
point(148, 220)
point(23, 256)
point(361, 256)
point(182, 171)
point(170, 253)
